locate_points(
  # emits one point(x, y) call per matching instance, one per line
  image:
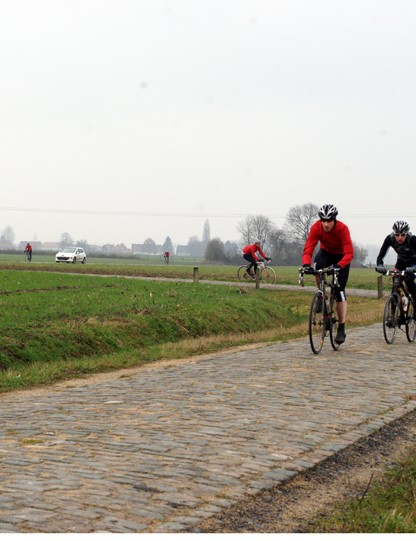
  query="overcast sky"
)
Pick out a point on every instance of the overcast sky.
point(128, 119)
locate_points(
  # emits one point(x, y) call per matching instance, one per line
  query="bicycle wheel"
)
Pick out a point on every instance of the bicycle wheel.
point(242, 274)
point(410, 321)
point(317, 330)
point(333, 322)
point(391, 318)
point(268, 275)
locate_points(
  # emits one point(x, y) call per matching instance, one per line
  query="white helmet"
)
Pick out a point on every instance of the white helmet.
point(401, 227)
point(328, 212)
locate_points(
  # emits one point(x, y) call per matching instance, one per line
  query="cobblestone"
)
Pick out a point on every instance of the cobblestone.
point(162, 447)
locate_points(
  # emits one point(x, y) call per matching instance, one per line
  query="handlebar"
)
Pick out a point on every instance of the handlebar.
point(394, 272)
point(329, 271)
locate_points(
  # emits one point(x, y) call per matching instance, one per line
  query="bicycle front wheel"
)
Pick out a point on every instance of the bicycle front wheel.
point(268, 275)
point(317, 330)
point(410, 321)
point(333, 323)
point(391, 318)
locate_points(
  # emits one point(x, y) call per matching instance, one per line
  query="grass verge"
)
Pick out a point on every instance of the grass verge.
point(55, 326)
point(388, 506)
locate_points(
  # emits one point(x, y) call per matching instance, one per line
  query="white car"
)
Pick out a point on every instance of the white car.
point(71, 255)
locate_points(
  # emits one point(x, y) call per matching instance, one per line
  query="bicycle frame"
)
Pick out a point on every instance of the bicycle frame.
point(323, 317)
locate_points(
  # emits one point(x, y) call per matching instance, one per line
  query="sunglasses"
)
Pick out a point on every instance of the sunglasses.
point(327, 221)
point(400, 234)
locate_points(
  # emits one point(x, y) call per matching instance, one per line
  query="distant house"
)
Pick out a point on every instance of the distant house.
point(119, 249)
point(146, 249)
point(36, 245)
point(50, 246)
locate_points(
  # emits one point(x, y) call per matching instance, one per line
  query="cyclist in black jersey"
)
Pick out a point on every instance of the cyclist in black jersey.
point(404, 244)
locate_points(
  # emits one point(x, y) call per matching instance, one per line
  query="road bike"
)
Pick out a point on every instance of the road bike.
point(323, 316)
point(266, 273)
point(399, 309)
point(28, 255)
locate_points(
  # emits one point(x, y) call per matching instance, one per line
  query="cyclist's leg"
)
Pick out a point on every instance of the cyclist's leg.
point(322, 259)
point(325, 259)
point(409, 280)
point(341, 303)
point(252, 262)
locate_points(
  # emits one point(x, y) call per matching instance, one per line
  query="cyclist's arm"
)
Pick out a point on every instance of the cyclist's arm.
point(347, 248)
point(383, 251)
point(310, 245)
point(263, 255)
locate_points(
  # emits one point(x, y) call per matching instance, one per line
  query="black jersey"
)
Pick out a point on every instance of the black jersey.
point(406, 252)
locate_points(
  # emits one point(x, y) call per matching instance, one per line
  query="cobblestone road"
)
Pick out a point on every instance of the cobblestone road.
point(160, 448)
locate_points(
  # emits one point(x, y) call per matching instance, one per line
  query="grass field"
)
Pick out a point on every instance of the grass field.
point(56, 325)
point(156, 268)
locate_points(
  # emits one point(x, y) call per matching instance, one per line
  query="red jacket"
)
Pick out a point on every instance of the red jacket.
point(337, 241)
point(252, 249)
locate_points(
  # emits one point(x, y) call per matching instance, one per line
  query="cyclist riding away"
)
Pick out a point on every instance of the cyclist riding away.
point(404, 244)
point(335, 249)
point(28, 251)
point(250, 254)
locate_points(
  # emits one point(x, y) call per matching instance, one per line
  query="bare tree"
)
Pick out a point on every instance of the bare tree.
point(360, 254)
point(8, 234)
point(257, 227)
point(195, 247)
point(284, 249)
point(66, 240)
point(299, 220)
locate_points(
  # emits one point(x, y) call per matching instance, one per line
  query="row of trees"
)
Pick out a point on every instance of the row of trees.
point(284, 245)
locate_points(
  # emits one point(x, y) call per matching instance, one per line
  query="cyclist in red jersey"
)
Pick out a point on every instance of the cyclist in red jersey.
point(335, 249)
point(28, 251)
point(250, 254)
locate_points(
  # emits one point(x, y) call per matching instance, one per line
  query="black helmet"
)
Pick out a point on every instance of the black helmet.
point(328, 212)
point(401, 227)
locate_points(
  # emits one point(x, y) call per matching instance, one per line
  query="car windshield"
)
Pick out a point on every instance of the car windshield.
point(70, 249)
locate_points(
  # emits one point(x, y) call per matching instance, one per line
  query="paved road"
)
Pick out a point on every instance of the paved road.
point(160, 448)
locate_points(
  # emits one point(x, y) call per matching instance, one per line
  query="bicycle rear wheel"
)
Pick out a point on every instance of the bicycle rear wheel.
point(268, 275)
point(242, 274)
point(333, 323)
point(391, 318)
point(410, 321)
point(317, 330)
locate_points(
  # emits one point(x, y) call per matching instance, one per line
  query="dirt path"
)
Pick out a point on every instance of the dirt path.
point(295, 506)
